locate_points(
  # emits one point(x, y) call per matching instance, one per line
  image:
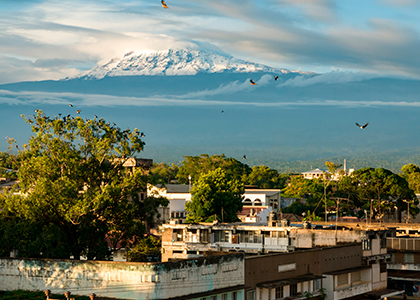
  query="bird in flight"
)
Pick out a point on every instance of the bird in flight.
point(276, 77)
point(362, 127)
point(252, 82)
point(164, 4)
point(71, 105)
point(78, 111)
point(222, 111)
point(142, 134)
point(244, 157)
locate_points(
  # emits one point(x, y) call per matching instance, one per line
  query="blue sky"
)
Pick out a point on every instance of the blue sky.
point(54, 39)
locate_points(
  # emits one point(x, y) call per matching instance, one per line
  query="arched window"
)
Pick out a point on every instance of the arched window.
point(247, 202)
point(257, 202)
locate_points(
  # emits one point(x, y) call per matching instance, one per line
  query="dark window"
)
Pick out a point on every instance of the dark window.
point(383, 267)
point(279, 292)
point(293, 289)
point(250, 295)
point(234, 296)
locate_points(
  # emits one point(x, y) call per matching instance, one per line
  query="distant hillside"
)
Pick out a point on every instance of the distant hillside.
point(285, 162)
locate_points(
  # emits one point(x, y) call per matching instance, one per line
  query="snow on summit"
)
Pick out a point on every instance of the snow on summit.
point(175, 62)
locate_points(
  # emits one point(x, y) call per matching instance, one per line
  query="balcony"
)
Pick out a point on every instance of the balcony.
point(352, 291)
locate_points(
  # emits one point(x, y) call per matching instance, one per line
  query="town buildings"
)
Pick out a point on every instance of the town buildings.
point(345, 261)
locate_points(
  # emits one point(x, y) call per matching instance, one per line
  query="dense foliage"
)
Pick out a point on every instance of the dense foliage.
point(195, 166)
point(8, 169)
point(74, 186)
point(215, 196)
point(147, 250)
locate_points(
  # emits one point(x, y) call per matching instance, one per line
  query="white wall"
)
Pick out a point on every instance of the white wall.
point(123, 280)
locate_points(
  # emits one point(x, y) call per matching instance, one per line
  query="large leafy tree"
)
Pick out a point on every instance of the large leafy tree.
point(214, 196)
point(380, 191)
point(411, 173)
point(266, 178)
point(162, 173)
point(195, 166)
point(72, 177)
point(310, 193)
point(147, 249)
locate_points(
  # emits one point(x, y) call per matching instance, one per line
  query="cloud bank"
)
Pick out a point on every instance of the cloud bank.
point(92, 100)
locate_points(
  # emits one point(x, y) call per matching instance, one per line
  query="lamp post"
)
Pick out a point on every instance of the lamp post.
point(189, 182)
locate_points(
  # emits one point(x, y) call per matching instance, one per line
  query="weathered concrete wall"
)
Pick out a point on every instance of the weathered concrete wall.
point(124, 280)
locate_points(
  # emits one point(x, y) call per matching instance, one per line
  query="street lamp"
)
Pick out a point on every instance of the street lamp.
point(189, 182)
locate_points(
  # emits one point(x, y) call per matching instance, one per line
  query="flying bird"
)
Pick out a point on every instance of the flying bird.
point(70, 105)
point(244, 157)
point(78, 111)
point(276, 77)
point(36, 110)
point(142, 134)
point(252, 82)
point(164, 4)
point(222, 111)
point(362, 127)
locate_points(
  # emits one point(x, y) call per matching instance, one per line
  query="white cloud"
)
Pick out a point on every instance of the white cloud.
point(88, 100)
point(230, 88)
point(297, 34)
point(330, 77)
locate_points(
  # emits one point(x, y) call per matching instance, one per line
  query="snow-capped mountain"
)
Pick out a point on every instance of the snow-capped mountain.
point(176, 62)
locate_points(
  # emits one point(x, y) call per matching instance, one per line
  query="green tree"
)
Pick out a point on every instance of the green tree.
point(72, 176)
point(411, 173)
point(195, 166)
point(162, 173)
point(380, 191)
point(8, 169)
point(149, 246)
point(309, 191)
point(266, 178)
point(215, 196)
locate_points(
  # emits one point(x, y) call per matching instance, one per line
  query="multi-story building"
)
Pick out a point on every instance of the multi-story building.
point(181, 241)
point(404, 263)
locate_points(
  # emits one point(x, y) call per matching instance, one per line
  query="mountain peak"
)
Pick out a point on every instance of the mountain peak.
point(171, 62)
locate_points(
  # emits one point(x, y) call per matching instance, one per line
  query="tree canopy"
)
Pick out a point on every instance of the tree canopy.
point(214, 196)
point(72, 178)
point(265, 178)
point(194, 166)
point(378, 191)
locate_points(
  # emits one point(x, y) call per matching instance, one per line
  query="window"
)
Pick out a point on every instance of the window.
point(234, 296)
point(224, 297)
point(250, 295)
point(355, 276)
point(247, 202)
point(383, 241)
point(409, 257)
point(177, 235)
point(366, 245)
point(279, 292)
point(293, 289)
point(317, 284)
point(342, 279)
point(383, 267)
point(204, 236)
point(269, 294)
